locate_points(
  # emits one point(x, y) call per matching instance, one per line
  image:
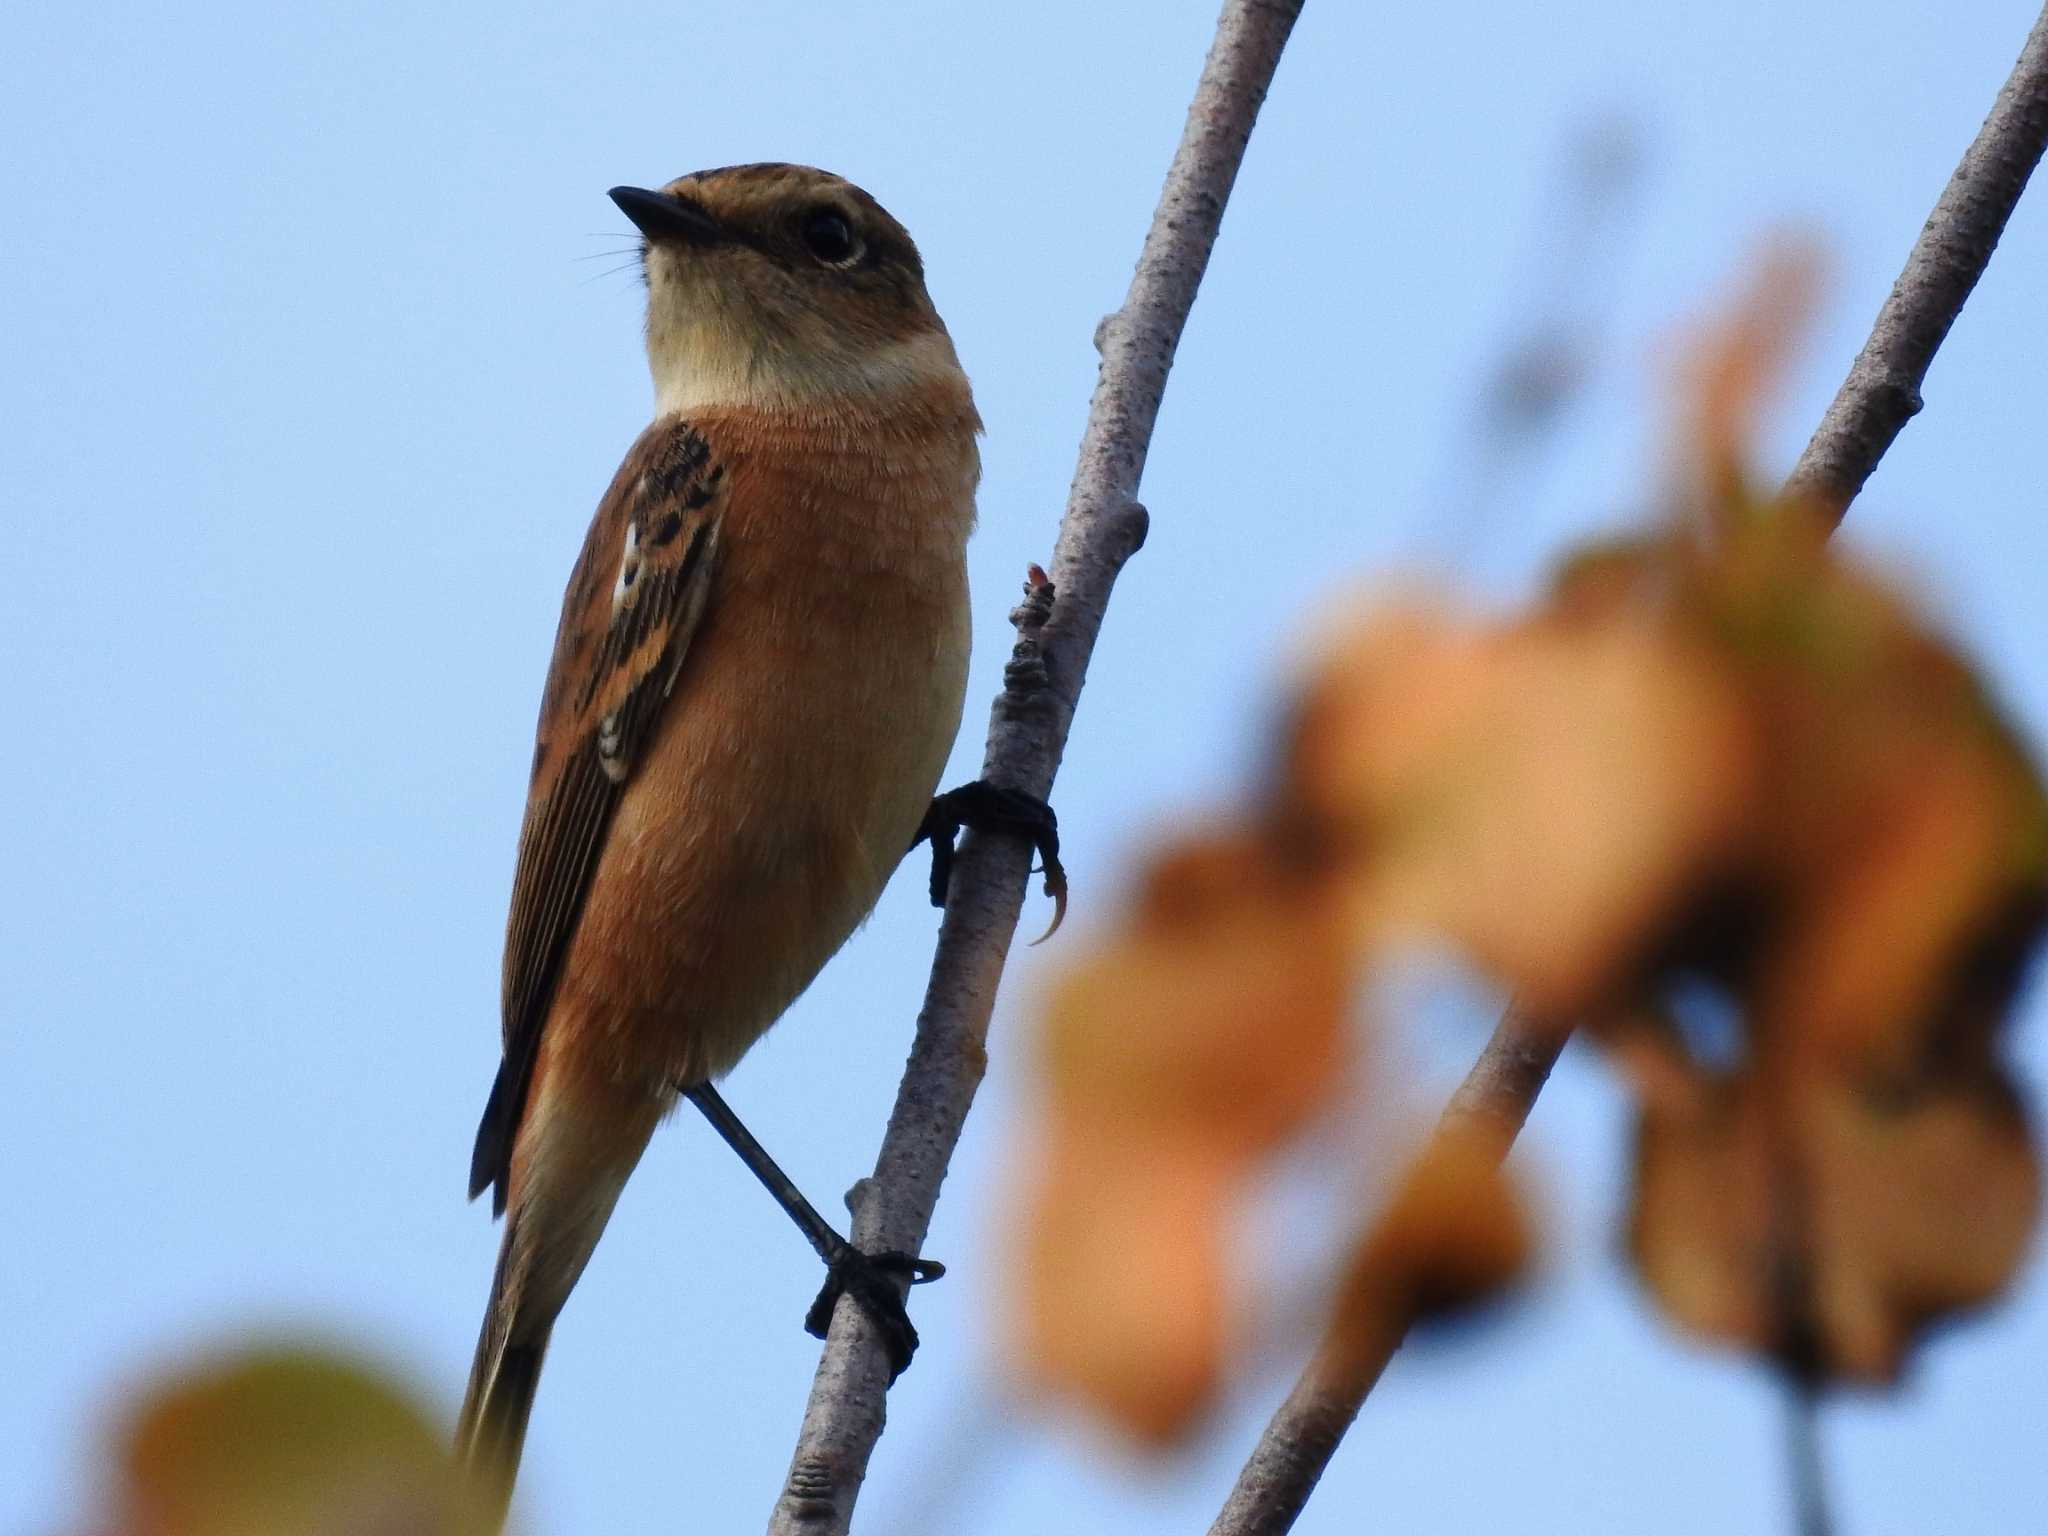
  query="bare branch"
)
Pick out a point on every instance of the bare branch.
point(1491, 1105)
point(1103, 526)
point(1810, 1514)
point(1882, 392)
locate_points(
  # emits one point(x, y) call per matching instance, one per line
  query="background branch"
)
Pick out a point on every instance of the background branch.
point(1810, 1515)
point(1882, 392)
point(1490, 1106)
point(1879, 396)
point(1102, 527)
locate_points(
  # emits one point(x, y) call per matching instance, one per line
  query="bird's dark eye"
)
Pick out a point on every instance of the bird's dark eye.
point(829, 237)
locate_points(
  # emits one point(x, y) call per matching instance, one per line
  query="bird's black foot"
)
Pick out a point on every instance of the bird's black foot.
point(871, 1280)
point(990, 808)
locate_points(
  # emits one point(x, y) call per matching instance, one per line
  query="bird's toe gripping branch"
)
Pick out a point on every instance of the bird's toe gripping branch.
point(989, 807)
point(871, 1279)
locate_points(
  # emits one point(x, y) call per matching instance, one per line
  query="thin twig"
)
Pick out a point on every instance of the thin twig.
point(1882, 392)
point(1810, 1515)
point(1556, 314)
point(1103, 526)
point(1491, 1105)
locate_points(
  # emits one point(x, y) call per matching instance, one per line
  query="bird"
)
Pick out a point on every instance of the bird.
point(756, 682)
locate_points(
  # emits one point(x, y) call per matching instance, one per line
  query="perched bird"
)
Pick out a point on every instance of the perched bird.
point(755, 686)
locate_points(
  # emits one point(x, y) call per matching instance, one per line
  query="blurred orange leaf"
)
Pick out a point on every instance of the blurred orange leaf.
point(1185, 1048)
point(1728, 367)
point(1831, 1231)
point(1454, 1236)
point(1716, 755)
point(1539, 792)
point(1900, 845)
point(1125, 1301)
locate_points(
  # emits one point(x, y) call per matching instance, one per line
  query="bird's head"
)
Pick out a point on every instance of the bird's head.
point(780, 285)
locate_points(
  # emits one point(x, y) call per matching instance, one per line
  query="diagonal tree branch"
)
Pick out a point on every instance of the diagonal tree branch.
point(1881, 393)
point(1103, 526)
point(1490, 1106)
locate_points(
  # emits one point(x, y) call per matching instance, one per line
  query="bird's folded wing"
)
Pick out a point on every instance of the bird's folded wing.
point(635, 599)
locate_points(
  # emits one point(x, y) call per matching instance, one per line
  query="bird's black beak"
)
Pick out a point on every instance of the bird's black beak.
point(666, 216)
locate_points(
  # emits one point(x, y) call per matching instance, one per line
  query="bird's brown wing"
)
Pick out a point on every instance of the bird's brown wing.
point(635, 599)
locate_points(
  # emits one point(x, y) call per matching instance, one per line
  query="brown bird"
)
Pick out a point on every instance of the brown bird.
point(755, 686)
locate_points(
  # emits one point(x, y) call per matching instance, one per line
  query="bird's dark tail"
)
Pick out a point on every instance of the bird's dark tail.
point(578, 1142)
point(502, 1381)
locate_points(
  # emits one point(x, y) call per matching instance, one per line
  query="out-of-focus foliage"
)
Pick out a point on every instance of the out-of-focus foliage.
point(1176, 1056)
point(1533, 790)
point(1863, 1167)
point(1825, 1221)
point(1724, 372)
point(284, 1442)
point(1866, 1167)
point(1454, 1236)
point(1718, 761)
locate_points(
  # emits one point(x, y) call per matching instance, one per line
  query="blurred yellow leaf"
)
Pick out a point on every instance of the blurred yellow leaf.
point(285, 1442)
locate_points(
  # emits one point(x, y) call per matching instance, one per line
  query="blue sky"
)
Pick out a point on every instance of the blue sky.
point(306, 400)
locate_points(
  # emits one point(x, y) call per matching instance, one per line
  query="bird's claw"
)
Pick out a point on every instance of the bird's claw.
point(871, 1279)
point(989, 807)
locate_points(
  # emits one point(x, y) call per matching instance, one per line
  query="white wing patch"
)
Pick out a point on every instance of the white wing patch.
point(608, 745)
point(624, 590)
